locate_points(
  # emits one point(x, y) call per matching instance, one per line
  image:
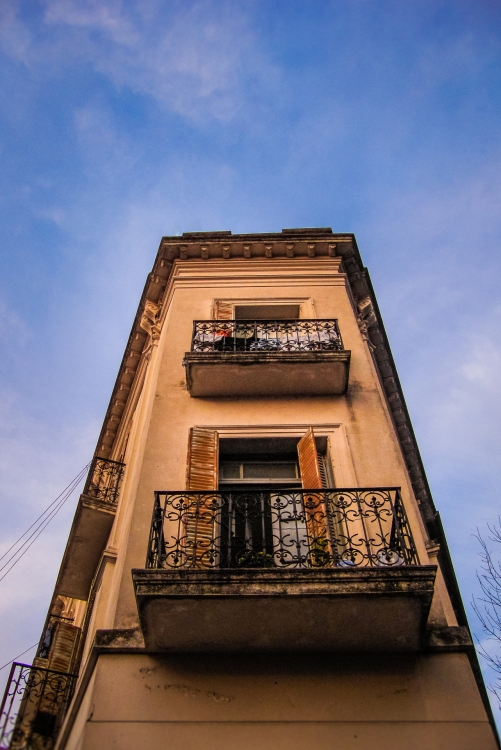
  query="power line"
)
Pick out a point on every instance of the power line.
point(18, 656)
point(78, 477)
point(40, 524)
point(64, 496)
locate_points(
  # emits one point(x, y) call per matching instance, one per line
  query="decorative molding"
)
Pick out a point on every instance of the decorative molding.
point(365, 318)
point(149, 323)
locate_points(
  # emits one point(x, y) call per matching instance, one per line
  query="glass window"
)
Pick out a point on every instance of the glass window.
point(278, 470)
point(231, 470)
point(261, 471)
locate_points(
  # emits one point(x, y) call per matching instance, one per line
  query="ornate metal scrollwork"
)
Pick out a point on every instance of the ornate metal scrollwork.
point(281, 528)
point(266, 335)
point(33, 707)
point(103, 480)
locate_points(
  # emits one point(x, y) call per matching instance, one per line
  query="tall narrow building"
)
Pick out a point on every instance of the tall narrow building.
point(256, 561)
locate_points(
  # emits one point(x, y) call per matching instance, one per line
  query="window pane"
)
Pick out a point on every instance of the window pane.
point(231, 471)
point(279, 470)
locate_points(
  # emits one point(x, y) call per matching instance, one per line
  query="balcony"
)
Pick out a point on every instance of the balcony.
point(33, 707)
point(282, 570)
point(266, 358)
point(91, 528)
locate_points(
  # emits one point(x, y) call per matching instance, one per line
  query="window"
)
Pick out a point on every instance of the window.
point(266, 312)
point(249, 462)
point(258, 518)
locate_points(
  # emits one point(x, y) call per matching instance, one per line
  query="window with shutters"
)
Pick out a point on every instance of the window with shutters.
point(271, 502)
point(260, 509)
point(246, 503)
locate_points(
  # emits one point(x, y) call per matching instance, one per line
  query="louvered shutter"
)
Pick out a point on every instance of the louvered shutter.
point(223, 311)
point(203, 455)
point(315, 508)
point(201, 516)
point(308, 462)
point(323, 469)
point(63, 647)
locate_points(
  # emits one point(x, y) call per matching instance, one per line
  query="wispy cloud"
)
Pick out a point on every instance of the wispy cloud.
point(200, 60)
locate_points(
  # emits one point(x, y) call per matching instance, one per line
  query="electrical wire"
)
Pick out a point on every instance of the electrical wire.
point(46, 510)
point(18, 656)
point(40, 524)
point(64, 496)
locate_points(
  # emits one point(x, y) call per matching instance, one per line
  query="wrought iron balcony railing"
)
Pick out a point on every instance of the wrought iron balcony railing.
point(280, 528)
point(33, 707)
point(266, 336)
point(103, 480)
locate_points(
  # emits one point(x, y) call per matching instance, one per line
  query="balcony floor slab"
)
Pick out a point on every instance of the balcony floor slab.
point(88, 538)
point(223, 374)
point(337, 609)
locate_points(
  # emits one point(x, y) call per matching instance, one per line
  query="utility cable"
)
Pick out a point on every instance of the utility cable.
point(18, 656)
point(40, 524)
point(78, 477)
point(67, 492)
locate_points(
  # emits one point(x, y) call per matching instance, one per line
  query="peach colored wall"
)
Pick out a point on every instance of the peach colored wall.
point(321, 702)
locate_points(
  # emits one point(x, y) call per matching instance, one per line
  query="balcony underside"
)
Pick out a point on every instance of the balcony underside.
point(87, 541)
point(344, 610)
point(213, 374)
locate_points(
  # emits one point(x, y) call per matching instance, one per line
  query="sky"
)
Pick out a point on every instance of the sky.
point(122, 121)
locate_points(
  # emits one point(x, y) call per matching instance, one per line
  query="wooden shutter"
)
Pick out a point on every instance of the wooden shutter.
point(63, 647)
point(203, 457)
point(315, 507)
point(201, 476)
point(323, 469)
point(309, 464)
point(223, 310)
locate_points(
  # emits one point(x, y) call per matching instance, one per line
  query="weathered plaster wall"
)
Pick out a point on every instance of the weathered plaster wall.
point(319, 701)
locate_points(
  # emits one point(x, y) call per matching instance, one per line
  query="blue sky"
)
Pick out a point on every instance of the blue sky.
point(121, 122)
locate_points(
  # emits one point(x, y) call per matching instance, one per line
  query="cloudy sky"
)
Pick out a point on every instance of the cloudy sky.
point(125, 121)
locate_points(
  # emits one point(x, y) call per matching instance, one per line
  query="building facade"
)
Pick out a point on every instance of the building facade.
point(255, 560)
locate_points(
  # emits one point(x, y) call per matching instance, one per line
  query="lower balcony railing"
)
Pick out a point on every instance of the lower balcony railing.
point(103, 480)
point(91, 528)
point(281, 528)
point(33, 707)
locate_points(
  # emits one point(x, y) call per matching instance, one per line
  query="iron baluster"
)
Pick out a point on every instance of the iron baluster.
point(281, 528)
point(33, 708)
point(266, 335)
